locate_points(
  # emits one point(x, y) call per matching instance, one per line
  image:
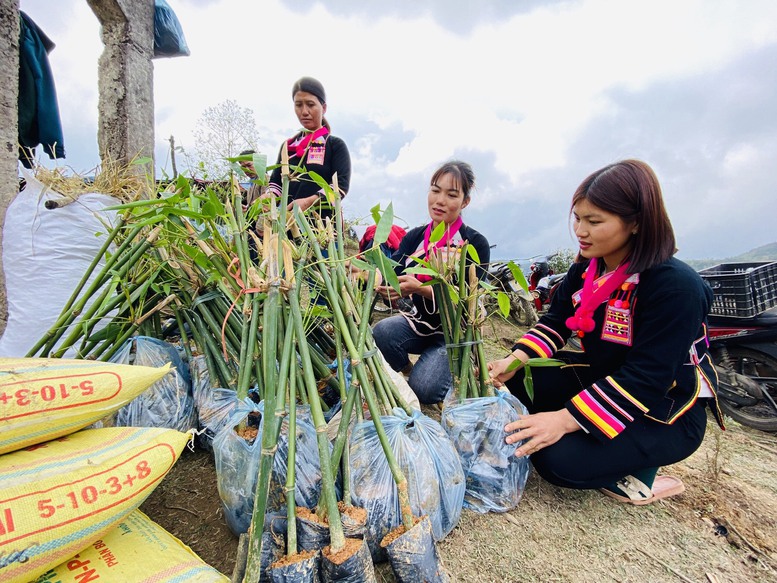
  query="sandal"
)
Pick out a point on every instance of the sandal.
point(639, 494)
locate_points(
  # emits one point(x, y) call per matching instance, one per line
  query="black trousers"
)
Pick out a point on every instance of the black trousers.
point(580, 461)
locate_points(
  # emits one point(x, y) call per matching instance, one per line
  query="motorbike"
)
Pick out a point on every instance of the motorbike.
point(745, 356)
point(538, 272)
point(546, 288)
point(502, 275)
point(742, 330)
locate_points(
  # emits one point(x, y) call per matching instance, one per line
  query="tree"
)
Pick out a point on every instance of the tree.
point(222, 131)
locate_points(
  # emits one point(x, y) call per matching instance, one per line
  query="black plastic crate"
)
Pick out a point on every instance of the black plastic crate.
point(742, 290)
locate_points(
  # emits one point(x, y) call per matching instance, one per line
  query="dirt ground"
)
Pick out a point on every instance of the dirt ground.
point(722, 529)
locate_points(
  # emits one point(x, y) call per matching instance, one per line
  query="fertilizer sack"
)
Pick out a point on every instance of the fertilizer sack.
point(495, 477)
point(435, 478)
point(136, 549)
point(59, 497)
point(45, 398)
point(168, 402)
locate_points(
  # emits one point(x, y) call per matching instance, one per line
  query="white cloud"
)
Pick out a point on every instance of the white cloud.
point(539, 95)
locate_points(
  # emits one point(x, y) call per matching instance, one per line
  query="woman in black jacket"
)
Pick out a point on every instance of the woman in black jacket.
point(634, 399)
point(312, 149)
point(419, 331)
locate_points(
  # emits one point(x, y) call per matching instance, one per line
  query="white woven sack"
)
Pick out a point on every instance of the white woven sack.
point(45, 254)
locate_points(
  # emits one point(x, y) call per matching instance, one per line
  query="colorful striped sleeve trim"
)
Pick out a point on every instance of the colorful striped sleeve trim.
point(596, 414)
point(542, 340)
point(549, 334)
point(536, 345)
point(611, 381)
point(611, 403)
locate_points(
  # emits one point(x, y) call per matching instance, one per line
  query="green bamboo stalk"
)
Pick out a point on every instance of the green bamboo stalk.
point(328, 494)
point(123, 266)
point(291, 469)
point(270, 429)
point(71, 309)
point(360, 371)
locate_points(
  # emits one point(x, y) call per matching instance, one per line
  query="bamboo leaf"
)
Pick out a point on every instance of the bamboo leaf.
point(504, 303)
point(375, 212)
point(422, 271)
point(383, 230)
point(520, 279)
point(528, 383)
point(473, 254)
point(438, 232)
point(544, 362)
point(362, 264)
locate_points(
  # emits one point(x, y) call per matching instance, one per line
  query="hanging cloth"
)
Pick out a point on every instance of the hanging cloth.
point(593, 294)
point(39, 121)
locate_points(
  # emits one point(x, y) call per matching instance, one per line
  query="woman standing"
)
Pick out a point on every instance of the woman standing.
point(419, 331)
point(635, 398)
point(313, 148)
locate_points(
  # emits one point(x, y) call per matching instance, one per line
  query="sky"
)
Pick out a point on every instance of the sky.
point(534, 95)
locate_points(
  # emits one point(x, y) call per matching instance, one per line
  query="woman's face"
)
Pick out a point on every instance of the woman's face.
point(602, 234)
point(445, 200)
point(310, 111)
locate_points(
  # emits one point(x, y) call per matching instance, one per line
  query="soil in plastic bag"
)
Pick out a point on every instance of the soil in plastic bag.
point(413, 554)
point(168, 403)
point(352, 564)
point(354, 520)
point(299, 568)
point(430, 463)
point(237, 466)
point(312, 533)
point(495, 477)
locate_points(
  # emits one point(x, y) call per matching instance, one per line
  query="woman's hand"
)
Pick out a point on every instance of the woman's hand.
point(408, 285)
point(497, 368)
point(304, 203)
point(540, 429)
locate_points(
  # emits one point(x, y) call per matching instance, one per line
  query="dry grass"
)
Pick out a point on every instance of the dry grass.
point(124, 182)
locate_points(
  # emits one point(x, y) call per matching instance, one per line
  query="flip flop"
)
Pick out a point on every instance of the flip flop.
point(639, 494)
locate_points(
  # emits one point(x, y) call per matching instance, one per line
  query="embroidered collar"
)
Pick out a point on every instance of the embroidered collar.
point(593, 294)
point(300, 146)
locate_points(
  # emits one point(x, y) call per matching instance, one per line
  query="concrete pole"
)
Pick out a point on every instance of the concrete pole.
point(9, 125)
point(125, 129)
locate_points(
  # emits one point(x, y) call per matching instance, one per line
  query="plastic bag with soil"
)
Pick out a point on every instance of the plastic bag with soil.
point(351, 564)
point(428, 460)
point(495, 477)
point(413, 554)
point(214, 406)
point(308, 466)
point(237, 464)
point(168, 403)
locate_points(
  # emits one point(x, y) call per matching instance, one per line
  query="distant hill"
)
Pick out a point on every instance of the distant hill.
point(764, 253)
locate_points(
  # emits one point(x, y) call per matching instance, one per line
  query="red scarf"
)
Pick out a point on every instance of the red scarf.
point(590, 299)
point(450, 232)
point(299, 149)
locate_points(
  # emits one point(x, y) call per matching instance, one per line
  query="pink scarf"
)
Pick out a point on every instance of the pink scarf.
point(590, 299)
point(299, 149)
point(450, 232)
